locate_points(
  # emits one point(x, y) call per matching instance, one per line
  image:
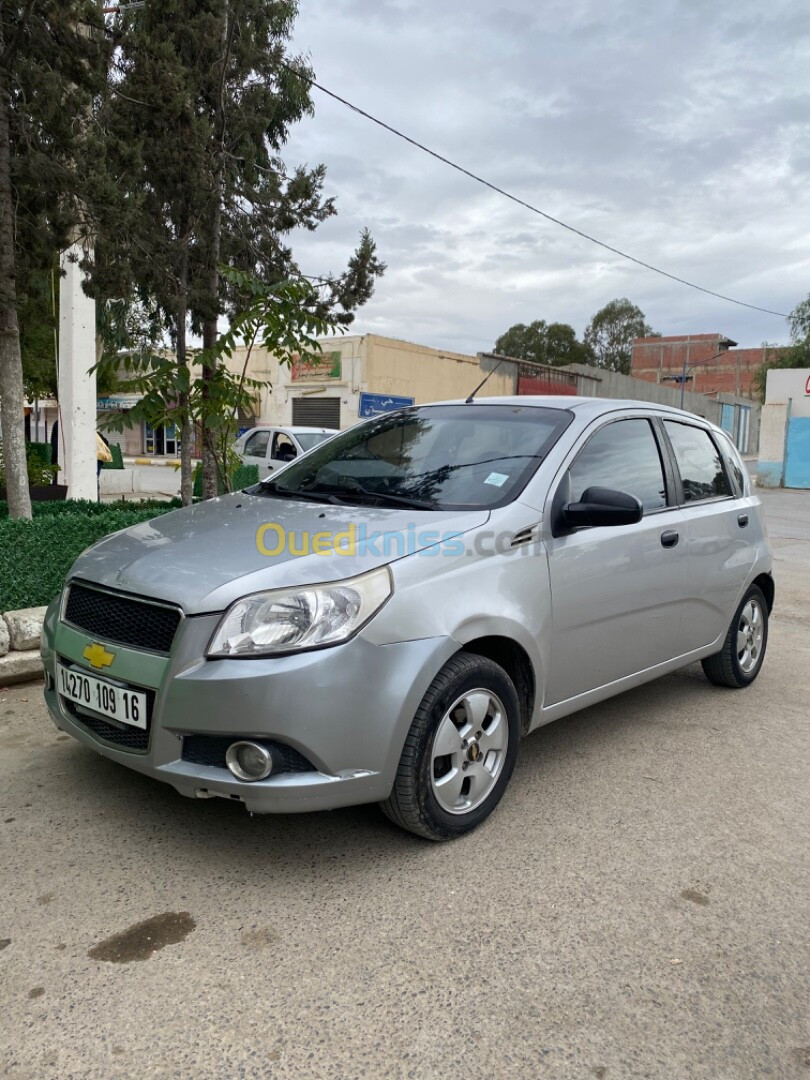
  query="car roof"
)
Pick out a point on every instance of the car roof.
point(584, 407)
point(290, 427)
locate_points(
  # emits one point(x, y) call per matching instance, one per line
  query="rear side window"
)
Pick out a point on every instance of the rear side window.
point(699, 462)
point(733, 463)
point(256, 445)
point(623, 456)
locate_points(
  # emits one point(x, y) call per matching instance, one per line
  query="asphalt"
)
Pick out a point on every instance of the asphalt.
point(637, 907)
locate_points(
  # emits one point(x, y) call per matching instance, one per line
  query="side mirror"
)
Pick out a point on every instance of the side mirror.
point(603, 506)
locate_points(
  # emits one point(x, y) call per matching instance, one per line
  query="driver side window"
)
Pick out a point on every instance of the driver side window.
point(623, 456)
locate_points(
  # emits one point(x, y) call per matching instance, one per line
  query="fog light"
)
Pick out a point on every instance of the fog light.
point(249, 760)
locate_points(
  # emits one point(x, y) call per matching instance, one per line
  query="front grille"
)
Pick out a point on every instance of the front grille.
point(122, 736)
point(122, 620)
point(210, 750)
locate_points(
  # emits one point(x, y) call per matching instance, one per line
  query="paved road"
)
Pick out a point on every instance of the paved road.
point(638, 907)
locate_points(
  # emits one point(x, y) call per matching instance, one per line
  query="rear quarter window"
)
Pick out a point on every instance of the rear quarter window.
point(700, 463)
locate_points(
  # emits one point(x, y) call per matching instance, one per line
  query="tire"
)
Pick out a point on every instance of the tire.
point(739, 661)
point(471, 709)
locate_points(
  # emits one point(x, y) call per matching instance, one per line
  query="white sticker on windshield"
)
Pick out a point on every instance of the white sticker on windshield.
point(497, 479)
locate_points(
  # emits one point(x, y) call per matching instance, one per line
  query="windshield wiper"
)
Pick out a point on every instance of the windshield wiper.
point(357, 493)
point(284, 493)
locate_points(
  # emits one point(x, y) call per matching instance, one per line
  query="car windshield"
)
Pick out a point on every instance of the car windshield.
point(308, 439)
point(440, 457)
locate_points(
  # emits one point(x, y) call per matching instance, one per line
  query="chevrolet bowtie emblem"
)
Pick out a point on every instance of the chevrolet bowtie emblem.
point(97, 656)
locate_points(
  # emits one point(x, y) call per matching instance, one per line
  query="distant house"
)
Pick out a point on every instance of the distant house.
point(709, 363)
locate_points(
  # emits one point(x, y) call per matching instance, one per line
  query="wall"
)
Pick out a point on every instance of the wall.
point(661, 360)
point(373, 364)
point(784, 455)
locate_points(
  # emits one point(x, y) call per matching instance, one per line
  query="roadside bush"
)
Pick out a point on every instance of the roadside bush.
point(241, 477)
point(92, 508)
point(117, 458)
point(36, 555)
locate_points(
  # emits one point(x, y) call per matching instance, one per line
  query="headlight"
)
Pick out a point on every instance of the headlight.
point(306, 617)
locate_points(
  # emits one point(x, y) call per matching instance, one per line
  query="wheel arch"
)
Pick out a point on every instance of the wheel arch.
point(765, 582)
point(517, 664)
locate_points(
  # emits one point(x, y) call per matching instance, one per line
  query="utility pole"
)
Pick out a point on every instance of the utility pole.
point(77, 380)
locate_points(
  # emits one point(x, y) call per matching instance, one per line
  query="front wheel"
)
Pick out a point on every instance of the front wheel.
point(739, 661)
point(460, 750)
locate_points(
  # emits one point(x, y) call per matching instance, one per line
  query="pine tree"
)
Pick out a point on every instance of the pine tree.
point(51, 63)
point(201, 100)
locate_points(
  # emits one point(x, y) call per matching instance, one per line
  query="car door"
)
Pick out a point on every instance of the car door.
point(717, 530)
point(283, 449)
point(616, 592)
point(256, 450)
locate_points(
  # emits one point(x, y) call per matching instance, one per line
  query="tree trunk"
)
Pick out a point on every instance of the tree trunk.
point(12, 394)
point(187, 425)
point(210, 331)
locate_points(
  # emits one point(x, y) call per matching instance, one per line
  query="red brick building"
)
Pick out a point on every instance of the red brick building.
point(713, 364)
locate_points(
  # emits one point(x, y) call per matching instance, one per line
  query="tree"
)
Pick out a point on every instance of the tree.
point(50, 65)
point(200, 103)
point(611, 331)
point(542, 343)
point(796, 355)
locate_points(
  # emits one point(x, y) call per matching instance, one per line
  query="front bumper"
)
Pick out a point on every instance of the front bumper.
point(346, 709)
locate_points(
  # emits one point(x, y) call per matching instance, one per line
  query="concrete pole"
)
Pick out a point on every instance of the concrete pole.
point(77, 385)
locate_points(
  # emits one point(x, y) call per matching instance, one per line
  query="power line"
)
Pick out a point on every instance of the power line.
point(521, 202)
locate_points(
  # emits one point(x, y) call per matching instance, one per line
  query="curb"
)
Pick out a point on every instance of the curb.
point(20, 667)
point(173, 462)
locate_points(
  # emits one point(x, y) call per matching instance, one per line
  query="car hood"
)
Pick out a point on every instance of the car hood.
point(206, 556)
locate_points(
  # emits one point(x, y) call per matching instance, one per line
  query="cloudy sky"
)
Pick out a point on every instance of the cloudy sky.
point(676, 130)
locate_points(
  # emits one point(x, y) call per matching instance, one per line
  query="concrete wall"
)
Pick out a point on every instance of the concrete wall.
point(784, 452)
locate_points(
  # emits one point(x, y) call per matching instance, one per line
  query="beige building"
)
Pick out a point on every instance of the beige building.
point(358, 375)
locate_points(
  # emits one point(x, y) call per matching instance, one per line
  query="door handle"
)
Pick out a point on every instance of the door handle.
point(669, 539)
point(742, 520)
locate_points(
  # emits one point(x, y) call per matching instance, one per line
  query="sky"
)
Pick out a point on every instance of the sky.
point(675, 131)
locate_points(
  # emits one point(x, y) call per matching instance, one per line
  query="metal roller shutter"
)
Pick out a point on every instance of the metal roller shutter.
point(316, 412)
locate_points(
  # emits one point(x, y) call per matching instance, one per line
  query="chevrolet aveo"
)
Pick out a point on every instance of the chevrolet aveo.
point(385, 618)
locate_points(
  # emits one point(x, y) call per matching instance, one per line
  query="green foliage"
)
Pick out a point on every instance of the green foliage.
point(611, 331)
point(40, 470)
point(796, 355)
point(284, 318)
point(188, 178)
point(90, 508)
point(117, 458)
point(542, 343)
point(36, 555)
point(240, 477)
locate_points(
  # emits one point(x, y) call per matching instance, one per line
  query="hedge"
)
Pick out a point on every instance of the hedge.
point(117, 458)
point(92, 508)
point(242, 476)
point(36, 555)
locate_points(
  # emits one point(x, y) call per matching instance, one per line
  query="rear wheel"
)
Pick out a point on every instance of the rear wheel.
point(739, 661)
point(460, 751)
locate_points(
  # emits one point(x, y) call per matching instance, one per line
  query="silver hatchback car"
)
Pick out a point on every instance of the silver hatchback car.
point(385, 618)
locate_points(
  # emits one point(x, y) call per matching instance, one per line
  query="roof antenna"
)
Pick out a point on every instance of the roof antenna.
point(469, 400)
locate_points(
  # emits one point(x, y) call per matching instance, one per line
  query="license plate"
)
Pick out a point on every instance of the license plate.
point(126, 706)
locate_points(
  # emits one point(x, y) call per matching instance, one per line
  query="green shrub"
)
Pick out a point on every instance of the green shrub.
point(117, 458)
point(36, 555)
point(93, 509)
point(39, 450)
point(241, 477)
